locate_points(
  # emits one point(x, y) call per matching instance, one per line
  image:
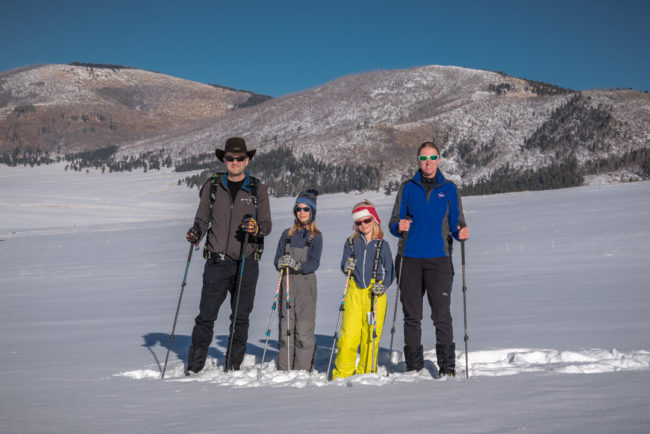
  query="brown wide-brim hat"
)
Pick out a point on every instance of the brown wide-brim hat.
point(234, 145)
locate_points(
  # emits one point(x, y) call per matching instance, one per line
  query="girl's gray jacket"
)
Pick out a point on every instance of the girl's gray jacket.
point(365, 255)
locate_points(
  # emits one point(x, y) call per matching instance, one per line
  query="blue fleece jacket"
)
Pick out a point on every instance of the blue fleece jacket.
point(434, 216)
point(364, 253)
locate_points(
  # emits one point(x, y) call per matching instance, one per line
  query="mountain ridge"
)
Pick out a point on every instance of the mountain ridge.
point(382, 116)
point(488, 123)
point(62, 108)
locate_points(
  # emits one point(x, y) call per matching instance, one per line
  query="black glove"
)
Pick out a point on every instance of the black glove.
point(193, 235)
point(249, 224)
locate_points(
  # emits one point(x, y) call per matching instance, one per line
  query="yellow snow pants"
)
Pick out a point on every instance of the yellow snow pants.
point(357, 331)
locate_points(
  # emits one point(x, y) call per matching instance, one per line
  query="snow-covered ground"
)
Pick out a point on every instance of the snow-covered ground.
point(90, 274)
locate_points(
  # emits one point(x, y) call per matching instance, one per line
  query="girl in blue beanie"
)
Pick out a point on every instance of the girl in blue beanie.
point(298, 253)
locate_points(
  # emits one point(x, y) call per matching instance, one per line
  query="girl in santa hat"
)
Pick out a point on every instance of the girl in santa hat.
point(368, 263)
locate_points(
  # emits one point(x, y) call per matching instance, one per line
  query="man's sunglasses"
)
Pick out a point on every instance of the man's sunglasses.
point(430, 157)
point(363, 222)
point(303, 209)
point(230, 158)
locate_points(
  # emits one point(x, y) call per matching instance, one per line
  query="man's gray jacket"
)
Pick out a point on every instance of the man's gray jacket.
point(225, 235)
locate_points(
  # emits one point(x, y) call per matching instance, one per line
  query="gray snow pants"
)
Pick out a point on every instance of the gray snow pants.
point(301, 318)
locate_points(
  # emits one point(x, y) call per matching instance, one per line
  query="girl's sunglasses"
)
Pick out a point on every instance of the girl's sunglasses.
point(303, 209)
point(230, 158)
point(363, 222)
point(430, 157)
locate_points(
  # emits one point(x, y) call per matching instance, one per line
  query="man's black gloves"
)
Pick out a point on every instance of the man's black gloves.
point(193, 234)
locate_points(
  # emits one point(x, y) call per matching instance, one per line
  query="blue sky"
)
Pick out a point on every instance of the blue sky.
point(279, 47)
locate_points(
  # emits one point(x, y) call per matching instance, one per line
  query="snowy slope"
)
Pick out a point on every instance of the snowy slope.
point(384, 114)
point(90, 273)
point(484, 120)
point(63, 108)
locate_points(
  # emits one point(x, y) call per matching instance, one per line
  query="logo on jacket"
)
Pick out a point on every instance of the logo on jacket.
point(441, 195)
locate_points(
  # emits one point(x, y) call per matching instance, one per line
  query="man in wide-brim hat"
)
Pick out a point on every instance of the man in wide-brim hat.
point(234, 216)
point(234, 145)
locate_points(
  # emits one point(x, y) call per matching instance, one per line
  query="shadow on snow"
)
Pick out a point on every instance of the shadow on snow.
point(181, 343)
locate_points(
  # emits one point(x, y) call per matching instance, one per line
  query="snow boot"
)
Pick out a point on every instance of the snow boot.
point(414, 358)
point(196, 358)
point(446, 356)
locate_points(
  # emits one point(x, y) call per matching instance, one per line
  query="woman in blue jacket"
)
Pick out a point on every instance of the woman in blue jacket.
point(427, 213)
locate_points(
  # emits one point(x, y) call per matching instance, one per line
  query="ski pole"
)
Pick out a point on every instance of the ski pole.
point(374, 329)
point(338, 321)
point(462, 251)
point(273, 307)
point(171, 336)
point(234, 318)
point(288, 323)
point(400, 253)
point(392, 330)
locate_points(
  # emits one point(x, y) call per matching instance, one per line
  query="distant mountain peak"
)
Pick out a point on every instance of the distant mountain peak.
point(83, 106)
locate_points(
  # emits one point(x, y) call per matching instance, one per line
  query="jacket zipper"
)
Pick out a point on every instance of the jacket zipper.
point(365, 251)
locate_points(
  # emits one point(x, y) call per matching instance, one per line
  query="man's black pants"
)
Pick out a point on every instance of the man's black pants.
point(219, 279)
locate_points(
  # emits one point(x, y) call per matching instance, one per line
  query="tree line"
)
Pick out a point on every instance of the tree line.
point(27, 156)
point(636, 158)
point(509, 179)
point(539, 88)
point(252, 100)
point(103, 159)
point(574, 124)
point(285, 174)
point(568, 173)
point(101, 66)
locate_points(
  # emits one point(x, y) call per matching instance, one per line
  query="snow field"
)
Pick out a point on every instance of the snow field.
point(557, 288)
point(509, 361)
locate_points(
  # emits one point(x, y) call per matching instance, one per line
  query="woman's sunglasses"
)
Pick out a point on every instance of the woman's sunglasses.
point(430, 157)
point(230, 158)
point(303, 209)
point(363, 222)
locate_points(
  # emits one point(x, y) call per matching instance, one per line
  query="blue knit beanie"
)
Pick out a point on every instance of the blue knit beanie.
point(308, 198)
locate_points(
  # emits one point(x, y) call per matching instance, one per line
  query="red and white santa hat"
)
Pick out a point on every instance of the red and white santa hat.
point(365, 211)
